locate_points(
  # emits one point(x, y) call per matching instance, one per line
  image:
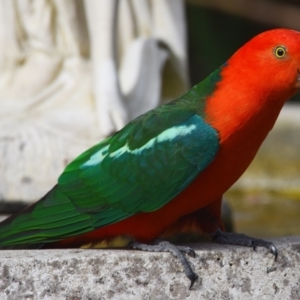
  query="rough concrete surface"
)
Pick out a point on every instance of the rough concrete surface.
point(226, 272)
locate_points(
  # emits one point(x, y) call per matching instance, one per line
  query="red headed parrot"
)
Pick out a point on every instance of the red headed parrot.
point(166, 171)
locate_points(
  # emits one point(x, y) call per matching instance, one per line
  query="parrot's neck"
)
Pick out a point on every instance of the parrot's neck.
point(239, 104)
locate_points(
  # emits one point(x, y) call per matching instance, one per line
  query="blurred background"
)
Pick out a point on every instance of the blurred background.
point(74, 71)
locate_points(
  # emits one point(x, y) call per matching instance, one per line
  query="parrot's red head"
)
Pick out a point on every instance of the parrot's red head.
point(271, 60)
point(255, 82)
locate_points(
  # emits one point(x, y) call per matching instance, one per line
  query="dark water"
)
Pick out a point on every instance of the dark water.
point(265, 214)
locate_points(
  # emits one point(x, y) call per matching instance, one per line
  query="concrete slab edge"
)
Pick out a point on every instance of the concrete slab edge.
point(225, 272)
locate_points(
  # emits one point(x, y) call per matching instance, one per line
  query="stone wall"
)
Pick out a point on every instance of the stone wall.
point(225, 272)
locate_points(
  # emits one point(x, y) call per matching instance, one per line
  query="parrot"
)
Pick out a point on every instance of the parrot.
point(166, 171)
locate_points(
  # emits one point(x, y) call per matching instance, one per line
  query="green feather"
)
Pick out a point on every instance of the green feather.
point(139, 169)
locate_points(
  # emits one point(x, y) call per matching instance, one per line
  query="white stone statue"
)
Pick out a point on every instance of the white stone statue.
point(75, 71)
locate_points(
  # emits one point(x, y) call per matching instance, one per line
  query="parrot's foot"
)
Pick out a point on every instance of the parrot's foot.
point(177, 251)
point(243, 240)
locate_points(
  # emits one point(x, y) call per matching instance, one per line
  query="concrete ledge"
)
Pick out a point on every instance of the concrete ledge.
point(226, 272)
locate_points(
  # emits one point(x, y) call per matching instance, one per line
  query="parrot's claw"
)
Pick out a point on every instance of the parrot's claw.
point(192, 277)
point(274, 251)
point(268, 245)
point(177, 251)
point(187, 250)
point(243, 240)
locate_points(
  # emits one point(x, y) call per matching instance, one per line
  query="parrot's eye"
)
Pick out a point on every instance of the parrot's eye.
point(280, 52)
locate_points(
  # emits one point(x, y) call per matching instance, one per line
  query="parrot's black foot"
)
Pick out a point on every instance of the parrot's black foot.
point(177, 251)
point(243, 240)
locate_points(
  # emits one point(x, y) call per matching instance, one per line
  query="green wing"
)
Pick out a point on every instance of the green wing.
point(139, 169)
